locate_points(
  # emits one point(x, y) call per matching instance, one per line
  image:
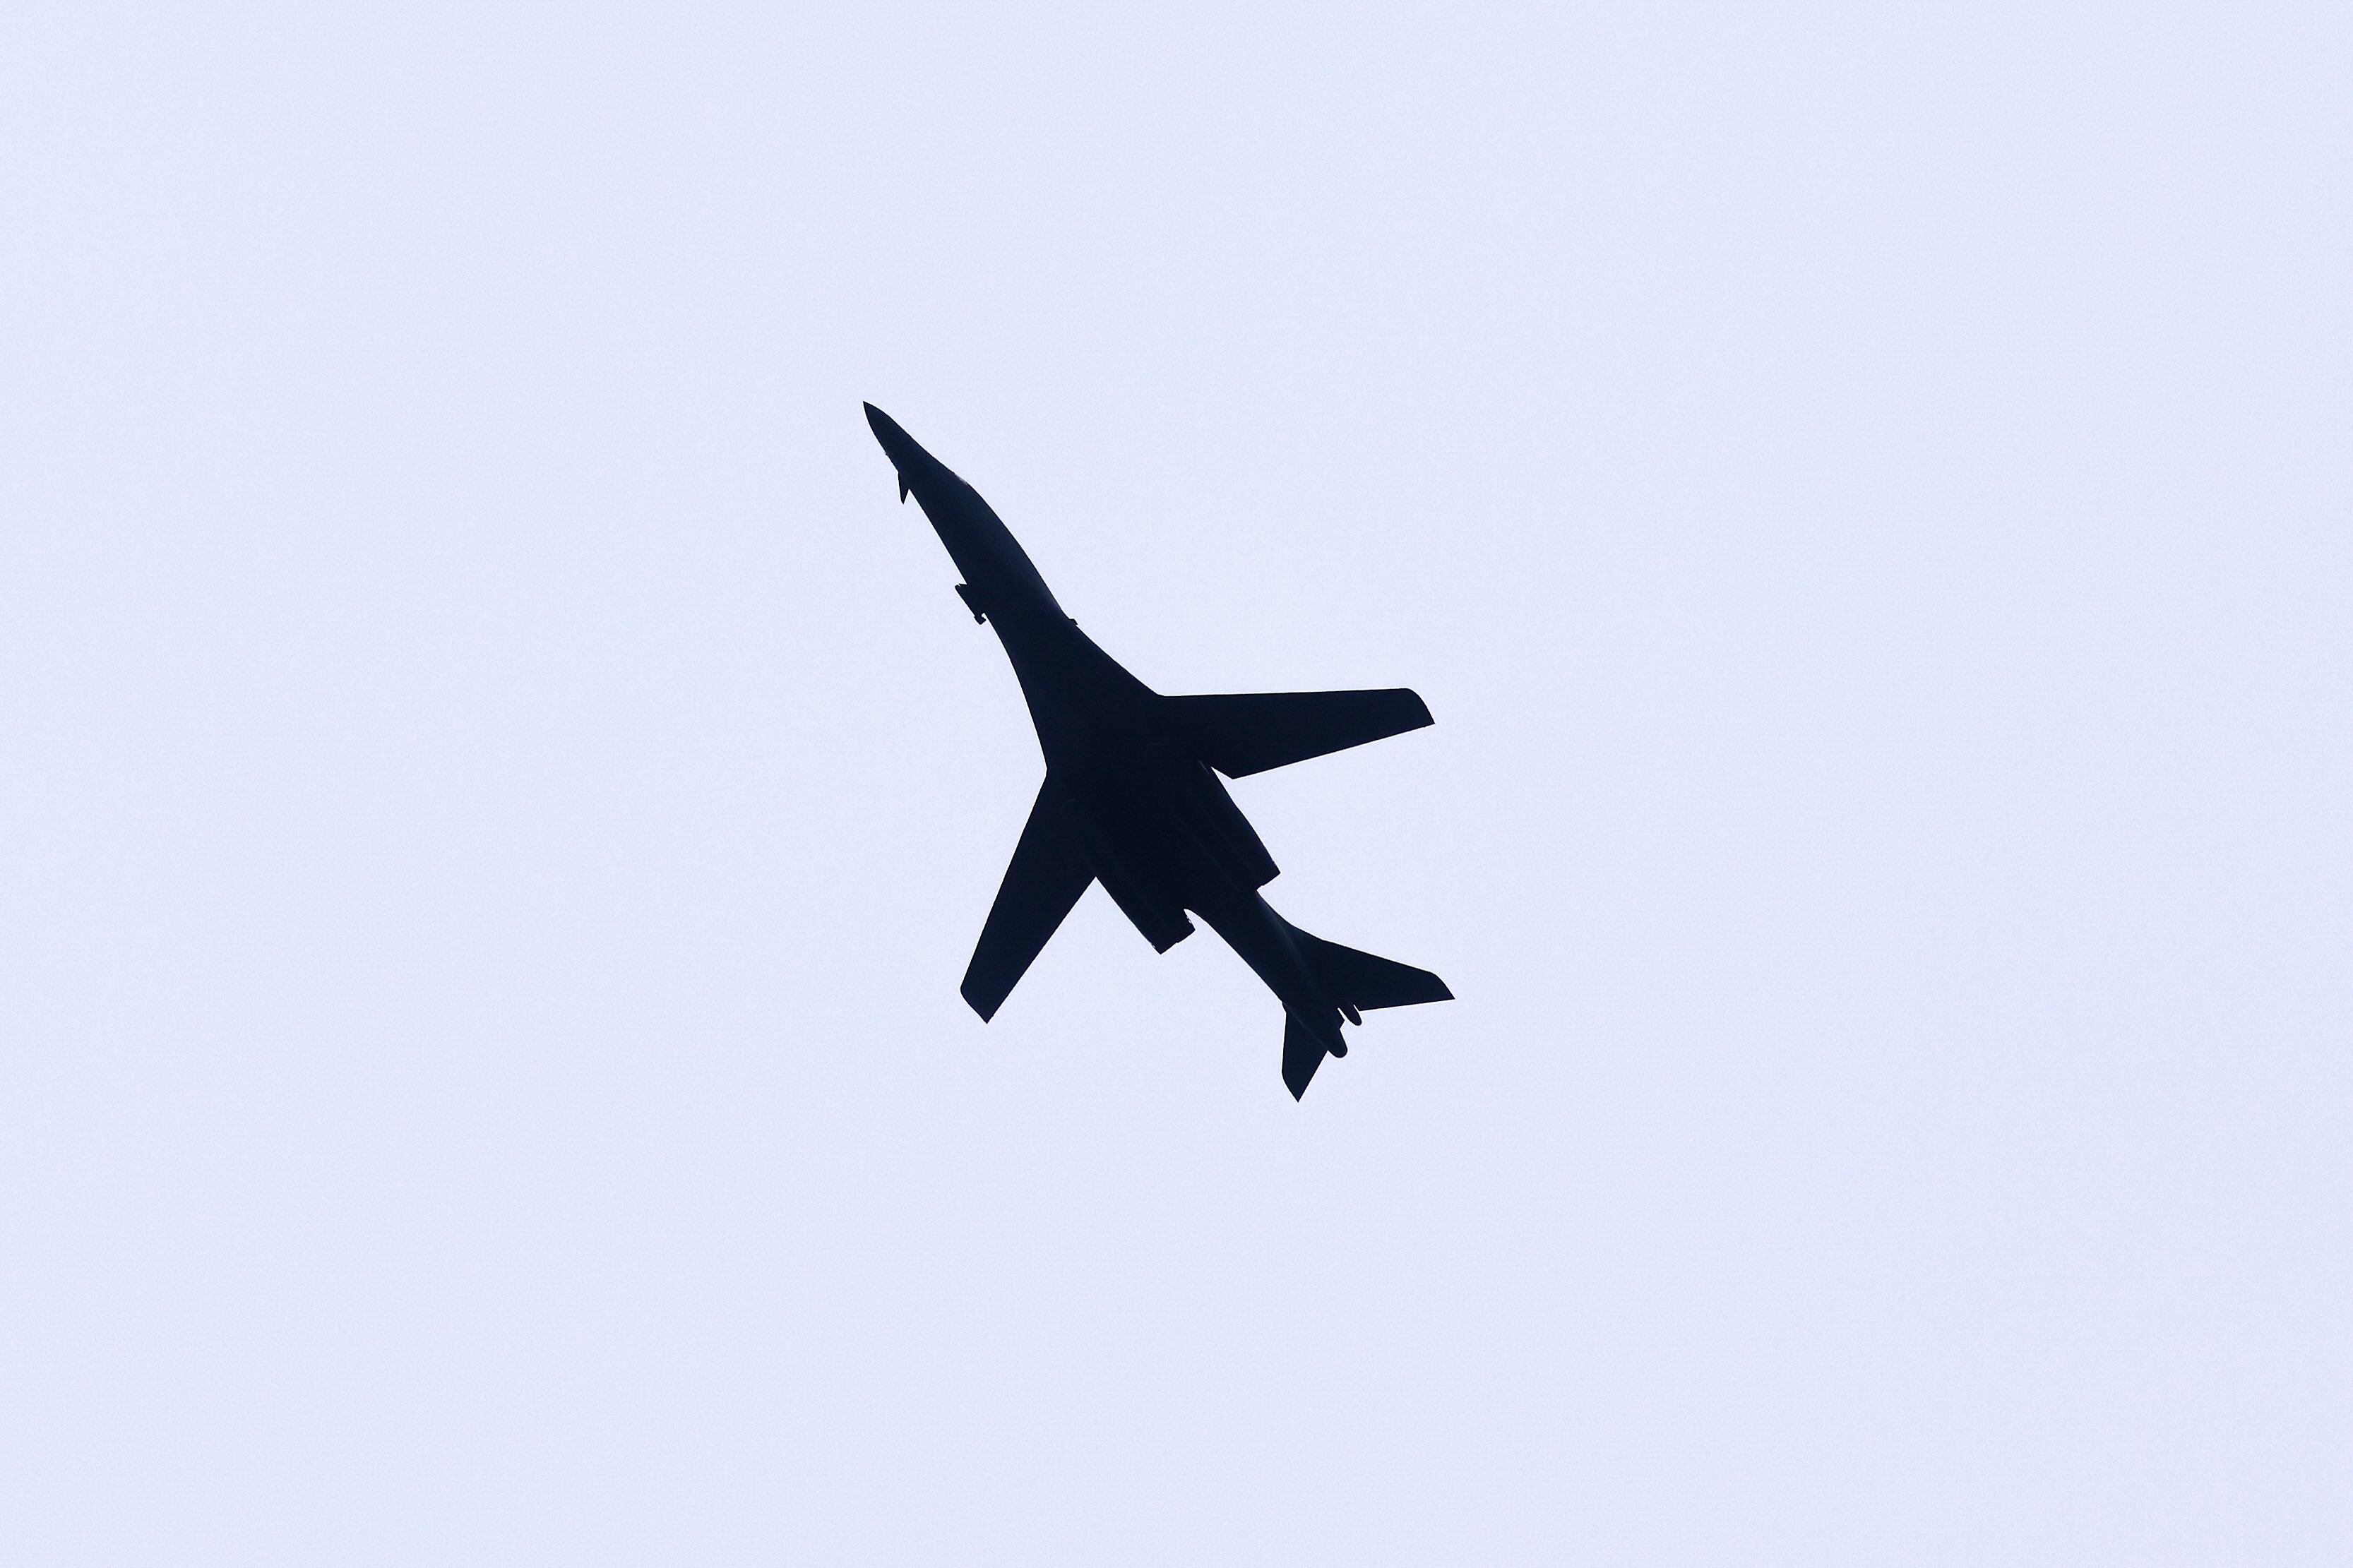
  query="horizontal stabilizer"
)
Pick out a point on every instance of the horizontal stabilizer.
point(1244, 734)
point(1360, 979)
point(1048, 874)
point(1303, 1053)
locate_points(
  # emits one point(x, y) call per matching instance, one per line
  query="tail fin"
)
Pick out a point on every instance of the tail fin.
point(1353, 980)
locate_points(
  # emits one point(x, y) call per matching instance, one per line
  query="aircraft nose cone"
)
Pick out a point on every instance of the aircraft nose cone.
point(899, 447)
point(896, 442)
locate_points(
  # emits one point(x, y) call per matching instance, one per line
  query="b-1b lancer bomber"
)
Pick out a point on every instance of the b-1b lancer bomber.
point(1130, 798)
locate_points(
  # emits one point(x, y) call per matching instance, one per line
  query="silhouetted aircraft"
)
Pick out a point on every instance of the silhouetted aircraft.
point(1129, 798)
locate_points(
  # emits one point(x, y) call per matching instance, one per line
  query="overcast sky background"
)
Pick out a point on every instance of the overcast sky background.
point(496, 797)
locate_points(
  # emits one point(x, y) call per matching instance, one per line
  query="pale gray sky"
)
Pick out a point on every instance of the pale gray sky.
point(496, 797)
